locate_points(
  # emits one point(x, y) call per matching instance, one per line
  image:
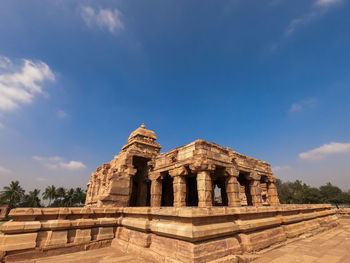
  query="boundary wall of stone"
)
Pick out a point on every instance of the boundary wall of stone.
point(166, 234)
point(343, 212)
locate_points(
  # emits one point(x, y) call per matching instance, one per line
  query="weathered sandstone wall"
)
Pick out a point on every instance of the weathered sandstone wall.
point(165, 234)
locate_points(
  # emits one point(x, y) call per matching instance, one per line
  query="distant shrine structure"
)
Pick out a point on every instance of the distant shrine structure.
point(186, 176)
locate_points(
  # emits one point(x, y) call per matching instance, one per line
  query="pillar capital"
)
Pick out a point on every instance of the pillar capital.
point(179, 171)
point(200, 166)
point(231, 171)
point(255, 176)
point(154, 176)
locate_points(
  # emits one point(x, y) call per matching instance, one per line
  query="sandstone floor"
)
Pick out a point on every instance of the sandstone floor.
point(332, 246)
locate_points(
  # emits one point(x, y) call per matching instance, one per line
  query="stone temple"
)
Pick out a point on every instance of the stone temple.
point(197, 203)
point(186, 176)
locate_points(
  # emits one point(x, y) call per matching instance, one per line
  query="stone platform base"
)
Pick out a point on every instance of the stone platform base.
point(165, 234)
point(234, 248)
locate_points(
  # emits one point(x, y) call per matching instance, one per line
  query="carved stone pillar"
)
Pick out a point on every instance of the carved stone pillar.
point(156, 193)
point(179, 186)
point(255, 192)
point(232, 188)
point(205, 189)
point(254, 189)
point(272, 193)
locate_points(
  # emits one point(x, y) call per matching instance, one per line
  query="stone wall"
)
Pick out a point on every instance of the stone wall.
point(166, 234)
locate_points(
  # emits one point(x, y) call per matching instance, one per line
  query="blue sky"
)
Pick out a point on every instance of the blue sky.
point(268, 78)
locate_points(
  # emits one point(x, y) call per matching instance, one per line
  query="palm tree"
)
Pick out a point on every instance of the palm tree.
point(12, 194)
point(69, 198)
point(60, 192)
point(50, 193)
point(60, 196)
point(79, 196)
point(32, 199)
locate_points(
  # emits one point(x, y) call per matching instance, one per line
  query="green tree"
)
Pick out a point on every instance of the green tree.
point(312, 195)
point(50, 194)
point(69, 199)
point(32, 199)
point(79, 196)
point(331, 194)
point(12, 194)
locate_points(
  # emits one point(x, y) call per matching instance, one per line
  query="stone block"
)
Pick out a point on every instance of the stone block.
point(20, 227)
point(17, 241)
point(82, 236)
point(102, 233)
point(56, 238)
point(258, 240)
point(140, 239)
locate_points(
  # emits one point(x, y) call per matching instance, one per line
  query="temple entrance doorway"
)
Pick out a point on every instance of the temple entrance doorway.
point(167, 191)
point(191, 191)
point(141, 186)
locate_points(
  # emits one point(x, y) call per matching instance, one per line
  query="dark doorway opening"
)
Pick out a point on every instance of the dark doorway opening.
point(220, 194)
point(167, 191)
point(191, 191)
point(244, 189)
point(263, 186)
point(141, 186)
point(219, 187)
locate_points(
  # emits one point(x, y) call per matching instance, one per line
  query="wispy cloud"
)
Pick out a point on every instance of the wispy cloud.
point(325, 150)
point(20, 83)
point(56, 162)
point(327, 2)
point(318, 9)
point(277, 169)
point(302, 105)
point(4, 170)
point(1, 126)
point(61, 114)
point(103, 18)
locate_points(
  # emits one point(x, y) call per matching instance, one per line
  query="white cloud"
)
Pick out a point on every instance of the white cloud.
point(57, 162)
point(73, 165)
point(327, 2)
point(4, 170)
point(277, 169)
point(1, 126)
point(302, 105)
point(325, 150)
point(20, 83)
point(61, 114)
point(319, 8)
point(103, 18)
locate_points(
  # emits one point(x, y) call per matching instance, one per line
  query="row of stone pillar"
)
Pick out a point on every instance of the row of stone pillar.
point(205, 190)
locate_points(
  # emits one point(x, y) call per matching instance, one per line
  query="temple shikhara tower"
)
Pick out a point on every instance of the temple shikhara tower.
point(190, 175)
